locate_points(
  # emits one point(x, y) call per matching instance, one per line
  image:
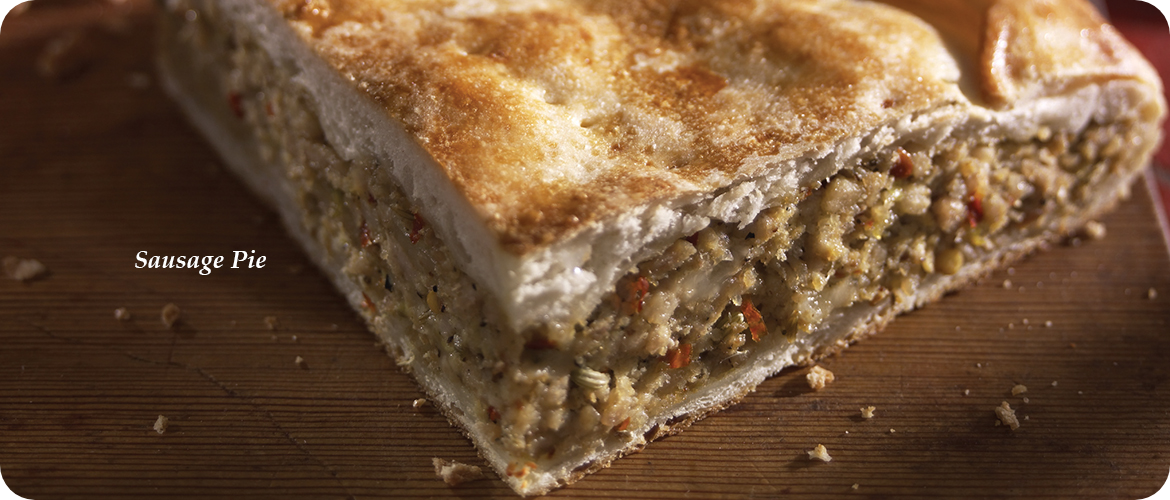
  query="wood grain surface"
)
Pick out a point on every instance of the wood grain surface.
point(95, 167)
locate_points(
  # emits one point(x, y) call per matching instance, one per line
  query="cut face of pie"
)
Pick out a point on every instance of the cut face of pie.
point(583, 225)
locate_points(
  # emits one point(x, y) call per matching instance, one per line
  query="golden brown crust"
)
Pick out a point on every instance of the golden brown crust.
point(553, 115)
point(1033, 48)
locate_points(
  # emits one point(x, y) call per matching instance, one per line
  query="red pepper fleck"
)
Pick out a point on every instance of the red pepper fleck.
point(365, 232)
point(370, 198)
point(679, 357)
point(368, 304)
point(975, 211)
point(754, 319)
point(517, 470)
point(904, 167)
point(625, 423)
point(416, 230)
point(635, 295)
point(493, 414)
point(236, 101)
point(540, 343)
point(268, 108)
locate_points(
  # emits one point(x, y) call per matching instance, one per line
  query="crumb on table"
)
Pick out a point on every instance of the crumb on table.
point(1019, 389)
point(867, 412)
point(1007, 416)
point(820, 453)
point(819, 377)
point(300, 362)
point(270, 322)
point(418, 403)
point(454, 473)
point(1094, 230)
point(160, 425)
point(170, 315)
point(23, 269)
point(122, 314)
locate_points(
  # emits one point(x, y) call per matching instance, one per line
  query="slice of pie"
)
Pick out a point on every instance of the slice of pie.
point(583, 225)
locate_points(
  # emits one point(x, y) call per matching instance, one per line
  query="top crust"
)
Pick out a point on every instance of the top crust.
point(557, 143)
point(552, 115)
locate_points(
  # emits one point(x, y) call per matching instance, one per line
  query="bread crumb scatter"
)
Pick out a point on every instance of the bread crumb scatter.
point(1055, 383)
point(1048, 324)
point(966, 392)
point(892, 431)
point(867, 412)
point(271, 322)
point(160, 425)
point(23, 269)
point(1019, 389)
point(170, 315)
point(300, 362)
point(1025, 400)
point(121, 314)
point(418, 403)
point(819, 377)
point(1007, 284)
point(855, 486)
point(820, 453)
point(454, 473)
point(1152, 293)
point(1007, 416)
point(1095, 230)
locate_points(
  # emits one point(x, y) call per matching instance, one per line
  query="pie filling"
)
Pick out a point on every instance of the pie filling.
point(691, 318)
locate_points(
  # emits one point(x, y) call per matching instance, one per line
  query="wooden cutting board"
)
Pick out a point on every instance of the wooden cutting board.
point(97, 165)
